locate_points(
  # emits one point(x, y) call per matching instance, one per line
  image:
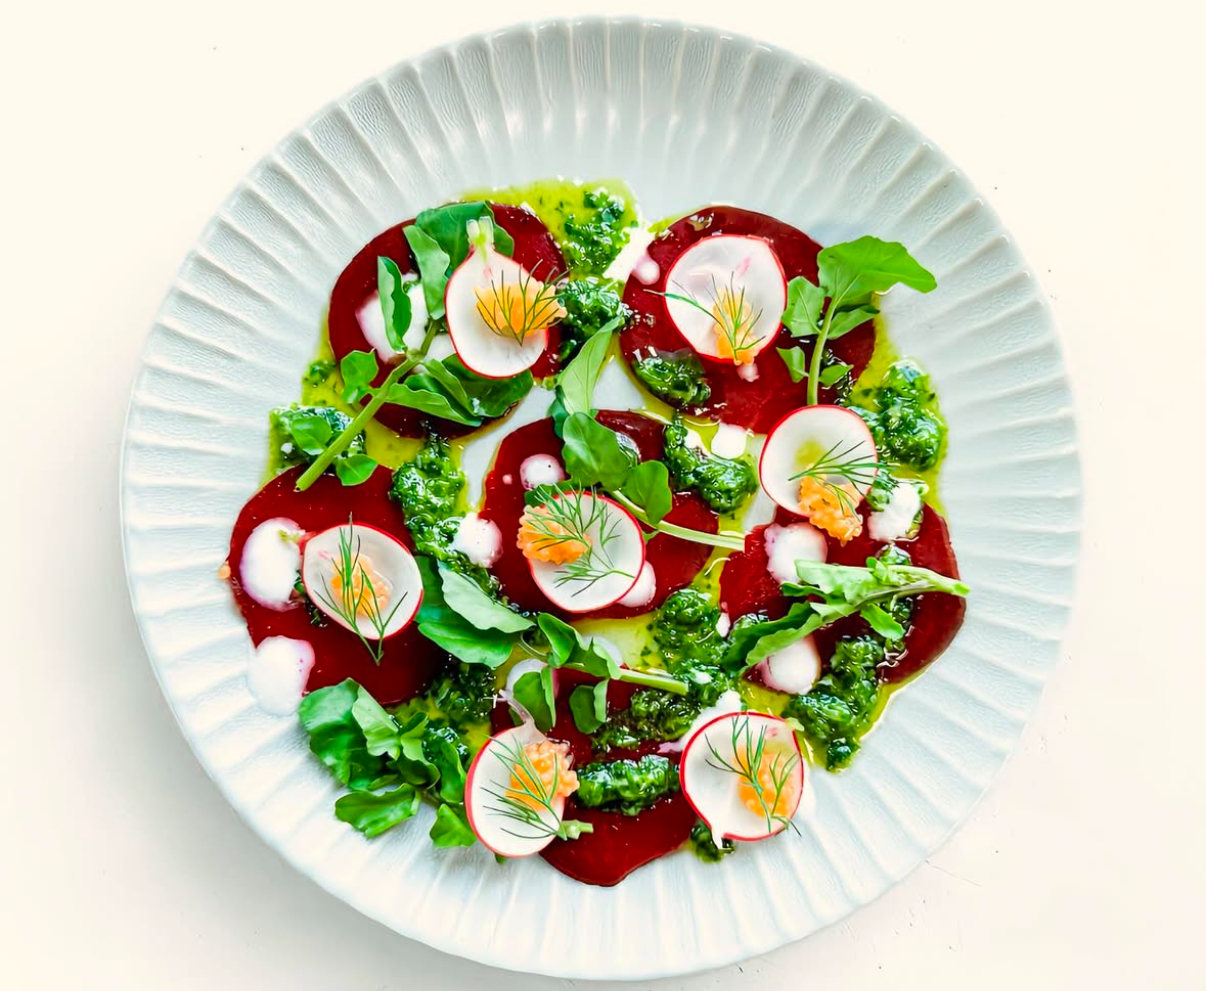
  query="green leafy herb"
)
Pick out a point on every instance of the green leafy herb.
point(297, 434)
point(534, 691)
point(466, 598)
point(354, 469)
point(796, 362)
point(577, 382)
point(831, 373)
point(849, 274)
point(451, 828)
point(648, 487)
point(568, 648)
point(358, 369)
point(593, 454)
point(433, 264)
point(336, 737)
point(588, 704)
point(448, 227)
point(374, 813)
point(395, 302)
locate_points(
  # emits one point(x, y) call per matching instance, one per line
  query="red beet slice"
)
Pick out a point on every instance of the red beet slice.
point(746, 587)
point(620, 844)
point(756, 405)
point(675, 562)
point(409, 661)
point(535, 249)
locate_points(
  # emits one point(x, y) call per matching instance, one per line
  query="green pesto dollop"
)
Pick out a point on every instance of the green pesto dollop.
point(902, 412)
point(590, 304)
point(705, 848)
point(596, 233)
point(674, 376)
point(723, 483)
point(627, 786)
point(286, 439)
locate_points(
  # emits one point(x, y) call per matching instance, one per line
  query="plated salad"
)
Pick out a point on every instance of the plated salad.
point(598, 538)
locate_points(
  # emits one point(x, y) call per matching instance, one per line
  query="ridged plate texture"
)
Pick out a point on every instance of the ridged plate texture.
point(688, 116)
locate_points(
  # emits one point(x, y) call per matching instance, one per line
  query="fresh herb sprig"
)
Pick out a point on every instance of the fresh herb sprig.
point(527, 801)
point(576, 517)
point(843, 464)
point(735, 319)
point(356, 595)
point(749, 752)
point(850, 274)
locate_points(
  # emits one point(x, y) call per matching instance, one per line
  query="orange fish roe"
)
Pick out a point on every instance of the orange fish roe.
point(734, 328)
point(519, 309)
point(542, 538)
point(366, 604)
point(827, 510)
point(778, 763)
point(553, 777)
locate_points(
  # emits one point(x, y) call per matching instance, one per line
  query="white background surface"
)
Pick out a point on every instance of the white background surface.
point(127, 123)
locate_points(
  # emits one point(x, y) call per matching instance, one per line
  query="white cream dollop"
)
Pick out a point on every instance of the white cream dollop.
point(478, 539)
point(277, 673)
point(641, 594)
point(271, 562)
point(748, 373)
point(896, 519)
point(730, 441)
point(785, 545)
point(540, 469)
point(794, 669)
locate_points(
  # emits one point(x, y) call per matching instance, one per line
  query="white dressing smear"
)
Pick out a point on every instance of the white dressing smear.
point(479, 540)
point(785, 545)
point(277, 673)
point(271, 562)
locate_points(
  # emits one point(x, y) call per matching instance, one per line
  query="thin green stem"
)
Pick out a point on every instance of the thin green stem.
point(818, 352)
point(362, 419)
point(652, 679)
point(725, 541)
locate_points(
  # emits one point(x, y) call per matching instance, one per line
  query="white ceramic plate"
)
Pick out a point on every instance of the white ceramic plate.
point(688, 116)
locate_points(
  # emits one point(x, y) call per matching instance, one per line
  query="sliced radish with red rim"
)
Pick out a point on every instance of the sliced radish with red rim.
point(596, 550)
point(743, 774)
point(363, 579)
point(515, 791)
point(830, 443)
point(498, 312)
point(726, 296)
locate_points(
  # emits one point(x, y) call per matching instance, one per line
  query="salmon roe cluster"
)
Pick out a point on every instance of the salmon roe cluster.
point(541, 538)
point(831, 507)
point(370, 591)
point(554, 777)
point(734, 328)
point(776, 765)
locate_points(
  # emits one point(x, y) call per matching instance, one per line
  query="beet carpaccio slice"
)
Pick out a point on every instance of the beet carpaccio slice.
point(675, 561)
point(620, 843)
point(756, 404)
point(745, 587)
point(409, 661)
point(535, 249)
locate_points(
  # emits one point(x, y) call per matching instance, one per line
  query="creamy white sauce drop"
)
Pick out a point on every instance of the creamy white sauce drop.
point(785, 545)
point(372, 322)
point(271, 562)
point(748, 373)
point(647, 270)
point(479, 540)
point(277, 673)
point(540, 469)
point(896, 519)
point(730, 701)
point(631, 255)
point(729, 441)
point(794, 669)
point(643, 591)
point(723, 625)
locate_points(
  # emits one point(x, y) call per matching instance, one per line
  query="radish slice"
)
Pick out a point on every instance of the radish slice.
point(601, 575)
point(816, 438)
point(363, 578)
point(732, 293)
point(794, 669)
point(498, 312)
point(743, 775)
point(510, 820)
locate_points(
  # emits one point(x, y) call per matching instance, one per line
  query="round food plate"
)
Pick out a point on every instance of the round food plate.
point(688, 116)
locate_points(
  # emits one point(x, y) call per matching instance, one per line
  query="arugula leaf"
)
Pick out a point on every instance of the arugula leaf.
point(443, 755)
point(354, 469)
point(797, 364)
point(577, 382)
point(422, 392)
point(433, 263)
point(380, 729)
point(534, 691)
point(805, 302)
point(570, 649)
point(832, 373)
point(881, 622)
point(592, 454)
point(485, 397)
point(336, 737)
point(588, 703)
point(451, 828)
point(648, 485)
point(847, 319)
point(395, 302)
point(310, 434)
point(846, 583)
point(465, 597)
point(446, 225)
point(358, 369)
point(473, 646)
point(374, 813)
point(855, 269)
